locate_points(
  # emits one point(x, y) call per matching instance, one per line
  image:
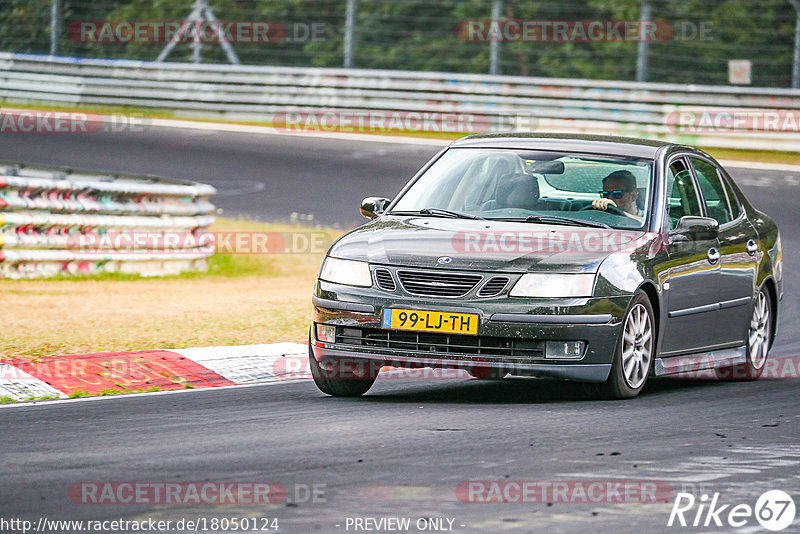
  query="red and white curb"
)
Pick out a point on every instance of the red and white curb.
point(249, 364)
point(154, 370)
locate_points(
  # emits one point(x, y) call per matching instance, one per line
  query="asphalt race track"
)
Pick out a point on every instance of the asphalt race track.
point(402, 450)
point(265, 176)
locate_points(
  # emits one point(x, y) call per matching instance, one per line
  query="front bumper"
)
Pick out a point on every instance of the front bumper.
point(512, 332)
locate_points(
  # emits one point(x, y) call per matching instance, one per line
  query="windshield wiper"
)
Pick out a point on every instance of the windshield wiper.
point(440, 212)
point(555, 219)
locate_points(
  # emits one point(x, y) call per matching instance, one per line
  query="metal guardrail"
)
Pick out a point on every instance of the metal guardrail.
point(252, 93)
point(55, 221)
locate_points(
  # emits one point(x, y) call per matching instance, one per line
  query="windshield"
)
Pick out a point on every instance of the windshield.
point(507, 184)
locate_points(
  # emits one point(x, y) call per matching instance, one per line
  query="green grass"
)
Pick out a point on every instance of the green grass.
point(32, 398)
point(80, 393)
point(219, 266)
point(761, 156)
point(242, 299)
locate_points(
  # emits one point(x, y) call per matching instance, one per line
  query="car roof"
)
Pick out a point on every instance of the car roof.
point(580, 143)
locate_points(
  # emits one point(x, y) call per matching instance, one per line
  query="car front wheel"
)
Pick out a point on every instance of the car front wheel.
point(487, 373)
point(349, 378)
point(633, 356)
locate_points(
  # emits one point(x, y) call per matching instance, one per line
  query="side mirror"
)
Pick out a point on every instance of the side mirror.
point(371, 207)
point(696, 228)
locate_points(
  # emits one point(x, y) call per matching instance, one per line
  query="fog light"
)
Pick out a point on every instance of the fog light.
point(564, 349)
point(326, 333)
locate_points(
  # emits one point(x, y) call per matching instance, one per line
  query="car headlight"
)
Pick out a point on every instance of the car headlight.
point(346, 272)
point(553, 285)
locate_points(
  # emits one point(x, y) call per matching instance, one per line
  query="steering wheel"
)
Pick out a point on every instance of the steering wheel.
point(616, 210)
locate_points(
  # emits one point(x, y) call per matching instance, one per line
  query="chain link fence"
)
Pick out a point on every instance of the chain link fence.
point(677, 41)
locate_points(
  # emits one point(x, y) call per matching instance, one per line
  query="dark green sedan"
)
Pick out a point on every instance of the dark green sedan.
point(604, 260)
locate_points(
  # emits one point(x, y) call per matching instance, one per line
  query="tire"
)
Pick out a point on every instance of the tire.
point(759, 340)
point(487, 373)
point(634, 354)
point(343, 382)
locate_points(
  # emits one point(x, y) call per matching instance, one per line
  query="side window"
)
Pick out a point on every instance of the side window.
point(681, 194)
point(733, 201)
point(716, 197)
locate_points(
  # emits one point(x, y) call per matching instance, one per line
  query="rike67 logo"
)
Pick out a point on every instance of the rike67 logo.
point(774, 510)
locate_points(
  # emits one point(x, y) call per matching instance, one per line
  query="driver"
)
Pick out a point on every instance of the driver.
point(619, 189)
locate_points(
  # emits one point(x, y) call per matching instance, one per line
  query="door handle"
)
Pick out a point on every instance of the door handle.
point(713, 256)
point(752, 247)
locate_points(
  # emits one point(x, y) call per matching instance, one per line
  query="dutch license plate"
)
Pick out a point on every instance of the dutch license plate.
point(431, 321)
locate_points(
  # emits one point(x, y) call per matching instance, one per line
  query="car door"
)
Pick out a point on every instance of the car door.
point(737, 246)
point(692, 275)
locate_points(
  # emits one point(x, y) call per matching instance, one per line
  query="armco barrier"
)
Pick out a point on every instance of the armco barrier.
point(256, 93)
point(54, 221)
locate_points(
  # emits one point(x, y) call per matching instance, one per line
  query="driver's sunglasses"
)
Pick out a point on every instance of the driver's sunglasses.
point(614, 195)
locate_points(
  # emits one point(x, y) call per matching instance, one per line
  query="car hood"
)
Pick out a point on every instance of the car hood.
point(493, 246)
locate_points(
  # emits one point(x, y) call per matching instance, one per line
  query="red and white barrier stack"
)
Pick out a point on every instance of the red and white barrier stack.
point(59, 222)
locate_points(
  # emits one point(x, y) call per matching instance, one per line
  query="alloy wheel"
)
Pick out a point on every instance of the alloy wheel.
point(759, 336)
point(637, 346)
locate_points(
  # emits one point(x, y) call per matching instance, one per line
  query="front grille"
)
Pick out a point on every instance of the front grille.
point(384, 279)
point(456, 347)
point(441, 284)
point(493, 287)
